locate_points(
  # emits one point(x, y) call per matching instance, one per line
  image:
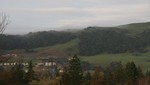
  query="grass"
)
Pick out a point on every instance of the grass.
point(105, 59)
point(71, 46)
point(136, 28)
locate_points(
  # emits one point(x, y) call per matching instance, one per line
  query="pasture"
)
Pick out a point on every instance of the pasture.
point(142, 60)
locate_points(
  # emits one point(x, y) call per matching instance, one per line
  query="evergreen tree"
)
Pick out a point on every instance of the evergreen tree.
point(73, 74)
point(30, 75)
point(87, 78)
point(75, 71)
point(119, 75)
point(140, 73)
point(147, 73)
point(131, 73)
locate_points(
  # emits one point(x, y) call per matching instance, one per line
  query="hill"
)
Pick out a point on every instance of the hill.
point(69, 47)
point(89, 41)
point(34, 40)
point(136, 28)
point(95, 40)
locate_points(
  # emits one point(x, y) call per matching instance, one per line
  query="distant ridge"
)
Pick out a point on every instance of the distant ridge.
point(136, 28)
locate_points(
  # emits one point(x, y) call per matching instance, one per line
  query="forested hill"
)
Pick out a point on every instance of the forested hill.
point(91, 40)
point(95, 41)
point(133, 37)
point(34, 40)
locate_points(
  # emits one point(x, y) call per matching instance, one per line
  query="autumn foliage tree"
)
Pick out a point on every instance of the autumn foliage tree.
point(97, 77)
point(108, 77)
point(65, 77)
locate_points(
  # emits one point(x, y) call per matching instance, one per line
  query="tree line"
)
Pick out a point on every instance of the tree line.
point(130, 74)
point(91, 40)
point(34, 40)
point(94, 41)
point(73, 74)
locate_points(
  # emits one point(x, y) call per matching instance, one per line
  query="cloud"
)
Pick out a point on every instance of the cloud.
point(140, 8)
point(73, 13)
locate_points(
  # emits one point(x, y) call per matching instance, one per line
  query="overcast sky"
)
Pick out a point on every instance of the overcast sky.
point(37, 15)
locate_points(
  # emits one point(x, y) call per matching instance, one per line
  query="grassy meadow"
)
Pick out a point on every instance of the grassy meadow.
point(71, 46)
point(142, 60)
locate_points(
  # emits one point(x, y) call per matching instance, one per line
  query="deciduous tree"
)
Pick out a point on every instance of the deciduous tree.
point(4, 21)
point(97, 77)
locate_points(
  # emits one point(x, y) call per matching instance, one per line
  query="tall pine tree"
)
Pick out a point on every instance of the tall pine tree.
point(75, 71)
point(131, 73)
point(73, 74)
point(30, 75)
point(119, 75)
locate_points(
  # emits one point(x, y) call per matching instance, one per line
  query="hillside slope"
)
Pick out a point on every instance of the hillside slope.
point(94, 40)
point(69, 47)
point(136, 28)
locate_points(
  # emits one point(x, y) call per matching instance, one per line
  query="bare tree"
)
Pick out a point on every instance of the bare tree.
point(4, 21)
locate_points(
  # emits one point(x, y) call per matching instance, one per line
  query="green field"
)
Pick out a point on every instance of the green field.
point(71, 46)
point(142, 60)
point(136, 28)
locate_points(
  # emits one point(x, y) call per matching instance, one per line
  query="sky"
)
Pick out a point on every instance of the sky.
point(43, 15)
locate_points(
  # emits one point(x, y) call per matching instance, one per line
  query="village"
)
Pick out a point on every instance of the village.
point(48, 64)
